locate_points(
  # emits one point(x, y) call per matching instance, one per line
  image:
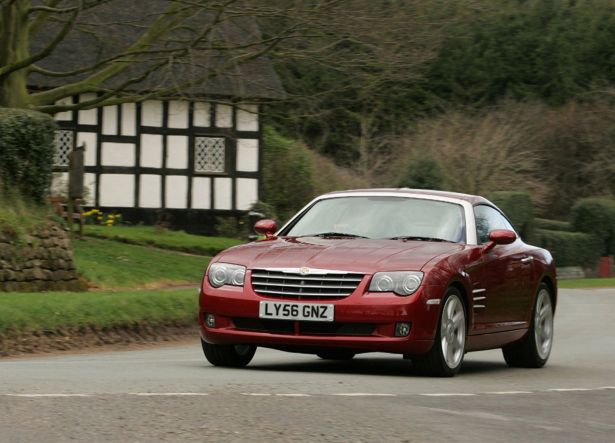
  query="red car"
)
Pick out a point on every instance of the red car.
point(427, 274)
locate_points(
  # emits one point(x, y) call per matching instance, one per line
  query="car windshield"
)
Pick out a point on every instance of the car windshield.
point(381, 217)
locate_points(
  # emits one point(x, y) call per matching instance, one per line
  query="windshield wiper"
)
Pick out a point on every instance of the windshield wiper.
point(421, 238)
point(335, 234)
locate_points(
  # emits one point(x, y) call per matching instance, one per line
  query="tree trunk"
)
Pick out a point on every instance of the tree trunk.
point(14, 46)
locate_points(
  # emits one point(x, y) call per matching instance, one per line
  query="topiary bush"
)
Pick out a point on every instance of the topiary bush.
point(596, 216)
point(422, 172)
point(26, 152)
point(552, 225)
point(518, 208)
point(570, 248)
point(288, 181)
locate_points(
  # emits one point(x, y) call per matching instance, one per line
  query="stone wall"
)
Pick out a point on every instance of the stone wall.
point(40, 261)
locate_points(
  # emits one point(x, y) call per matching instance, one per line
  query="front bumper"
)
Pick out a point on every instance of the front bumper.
point(363, 322)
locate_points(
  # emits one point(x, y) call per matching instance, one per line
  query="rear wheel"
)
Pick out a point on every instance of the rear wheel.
point(336, 355)
point(236, 356)
point(446, 355)
point(533, 350)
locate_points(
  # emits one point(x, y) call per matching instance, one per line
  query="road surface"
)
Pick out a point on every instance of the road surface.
point(171, 393)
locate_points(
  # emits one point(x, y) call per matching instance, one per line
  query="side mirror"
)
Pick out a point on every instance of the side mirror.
point(266, 227)
point(500, 237)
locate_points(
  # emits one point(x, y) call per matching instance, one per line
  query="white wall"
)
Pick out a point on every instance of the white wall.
point(117, 190)
point(224, 116)
point(150, 191)
point(247, 154)
point(151, 151)
point(118, 154)
point(247, 193)
point(151, 113)
point(178, 114)
point(177, 151)
point(223, 193)
point(202, 114)
point(90, 139)
point(88, 116)
point(176, 191)
point(247, 117)
point(201, 193)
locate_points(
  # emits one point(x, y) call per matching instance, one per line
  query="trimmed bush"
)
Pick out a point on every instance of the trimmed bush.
point(26, 152)
point(422, 173)
point(552, 225)
point(518, 208)
point(596, 216)
point(570, 248)
point(288, 182)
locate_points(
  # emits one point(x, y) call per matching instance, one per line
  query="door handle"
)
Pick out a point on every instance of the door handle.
point(527, 259)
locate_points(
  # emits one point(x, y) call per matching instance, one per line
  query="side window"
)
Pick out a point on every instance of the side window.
point(487, 220)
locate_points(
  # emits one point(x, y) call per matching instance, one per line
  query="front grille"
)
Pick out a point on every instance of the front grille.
point(294, 285)
point(305, 328)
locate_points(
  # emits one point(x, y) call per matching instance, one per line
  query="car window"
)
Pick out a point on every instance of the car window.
point(383, 217)
point(487, 220)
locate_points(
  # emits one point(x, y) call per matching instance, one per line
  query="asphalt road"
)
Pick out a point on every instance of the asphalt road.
point(173, 394)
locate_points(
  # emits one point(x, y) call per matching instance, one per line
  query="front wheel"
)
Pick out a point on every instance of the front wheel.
point(446, 355)
point(534, 349)
point(235, 356)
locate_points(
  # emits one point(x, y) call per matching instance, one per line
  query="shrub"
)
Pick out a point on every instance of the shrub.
point(552, 225)
point(287, 174)
point(518, 208)
point(422, 172)
point(26, 152)
point(596, 216)
point(570, 248)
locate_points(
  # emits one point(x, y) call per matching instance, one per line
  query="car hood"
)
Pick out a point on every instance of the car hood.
point(355, 255)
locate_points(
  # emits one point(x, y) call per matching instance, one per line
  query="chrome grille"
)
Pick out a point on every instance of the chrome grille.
point(315, 285)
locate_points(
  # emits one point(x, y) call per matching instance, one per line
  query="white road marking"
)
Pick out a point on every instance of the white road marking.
point(46, 395)
point(508, 392)
point(256, 394)
point(473, 414)
point(362, 394)
point(293, 395)
point(448, 394)
point(607, 387)
point(168, 394)
point(569, 389)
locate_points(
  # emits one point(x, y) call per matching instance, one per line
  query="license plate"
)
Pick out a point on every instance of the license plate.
point(296, 311)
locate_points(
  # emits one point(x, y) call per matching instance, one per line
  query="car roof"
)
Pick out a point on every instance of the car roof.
point(473, 199)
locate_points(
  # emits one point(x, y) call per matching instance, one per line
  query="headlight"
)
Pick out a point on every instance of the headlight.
point(399, 282)
point(221, 274)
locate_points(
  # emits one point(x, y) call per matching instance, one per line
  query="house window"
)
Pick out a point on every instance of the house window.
point(63, 143)
point(210, 154)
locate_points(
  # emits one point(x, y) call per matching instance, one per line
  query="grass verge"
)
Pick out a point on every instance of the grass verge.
point(586, 283)
point(42, 312)
point(174, 240)
point(108, 264)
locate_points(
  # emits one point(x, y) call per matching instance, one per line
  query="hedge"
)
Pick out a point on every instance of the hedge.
point(552, 225)
point(26, 152)
point(596, 216)
point(570, 248)
point(518, 208)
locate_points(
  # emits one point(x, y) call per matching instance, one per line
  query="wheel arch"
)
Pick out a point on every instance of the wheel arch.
point(551, 285)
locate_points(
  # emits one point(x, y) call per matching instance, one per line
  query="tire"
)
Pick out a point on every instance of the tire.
point(336, 355)
point(234, 356)
point(533, 350)
point(445, 357)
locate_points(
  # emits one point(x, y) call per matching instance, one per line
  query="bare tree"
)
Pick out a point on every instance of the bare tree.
point(492, 151)
point(144, 49)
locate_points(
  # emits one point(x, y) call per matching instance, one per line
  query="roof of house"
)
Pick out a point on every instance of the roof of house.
point(109, 29)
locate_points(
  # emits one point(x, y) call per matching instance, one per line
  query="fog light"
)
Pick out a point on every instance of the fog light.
point(402, 329)
point(210, 320)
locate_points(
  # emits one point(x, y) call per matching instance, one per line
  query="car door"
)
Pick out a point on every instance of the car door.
point(502, 281)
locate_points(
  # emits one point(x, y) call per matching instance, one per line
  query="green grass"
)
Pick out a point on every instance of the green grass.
point(167, 239)
point(586, 283)
point(109, 264)
point(33, 312)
